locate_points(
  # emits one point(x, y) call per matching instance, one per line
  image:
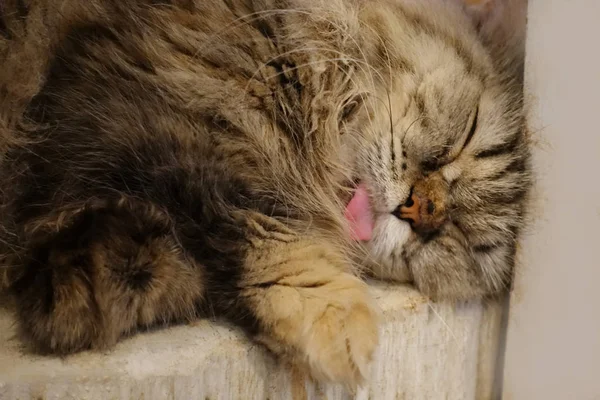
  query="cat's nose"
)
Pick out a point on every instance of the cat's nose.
point(410, 210)
point(420, 211)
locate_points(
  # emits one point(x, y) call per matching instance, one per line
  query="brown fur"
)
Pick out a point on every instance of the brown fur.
point(455, 138)
point(165, 161)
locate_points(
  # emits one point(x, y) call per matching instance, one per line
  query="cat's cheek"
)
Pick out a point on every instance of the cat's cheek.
point(386, 248)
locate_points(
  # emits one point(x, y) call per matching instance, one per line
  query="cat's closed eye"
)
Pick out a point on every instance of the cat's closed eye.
point(472, 129)
point(433, 163)
point(430, 164)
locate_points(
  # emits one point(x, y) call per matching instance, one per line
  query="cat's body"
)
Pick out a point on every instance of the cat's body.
point(165, 162)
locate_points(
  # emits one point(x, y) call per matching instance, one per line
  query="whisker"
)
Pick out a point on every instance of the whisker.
point(443, 321)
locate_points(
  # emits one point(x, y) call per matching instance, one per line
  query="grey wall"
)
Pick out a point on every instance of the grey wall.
point(553, 346)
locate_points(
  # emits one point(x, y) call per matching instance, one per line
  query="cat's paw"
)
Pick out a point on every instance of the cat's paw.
point(68, 301)
point(93, 284)
point(340, 343)
point(56, 308)
point(328, 327)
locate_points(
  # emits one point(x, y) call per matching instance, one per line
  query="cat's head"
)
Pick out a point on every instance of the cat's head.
point(444, 166)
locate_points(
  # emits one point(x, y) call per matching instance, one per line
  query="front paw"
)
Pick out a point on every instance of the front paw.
point(340, 343)
point(329, 327)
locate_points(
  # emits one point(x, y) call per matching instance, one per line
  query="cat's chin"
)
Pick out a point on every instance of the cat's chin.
point(385, 249)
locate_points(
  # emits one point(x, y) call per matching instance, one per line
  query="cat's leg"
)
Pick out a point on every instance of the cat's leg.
point(307, 305)
point(99, 272)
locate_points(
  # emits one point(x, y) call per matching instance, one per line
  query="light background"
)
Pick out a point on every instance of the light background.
point(553, 348)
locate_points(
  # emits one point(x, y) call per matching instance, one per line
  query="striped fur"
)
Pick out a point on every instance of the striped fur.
point(173, 160)
point(457, 119)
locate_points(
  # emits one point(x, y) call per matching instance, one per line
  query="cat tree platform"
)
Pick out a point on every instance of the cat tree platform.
point(427, 351)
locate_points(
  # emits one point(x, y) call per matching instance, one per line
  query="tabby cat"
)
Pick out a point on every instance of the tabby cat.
point(162, 161)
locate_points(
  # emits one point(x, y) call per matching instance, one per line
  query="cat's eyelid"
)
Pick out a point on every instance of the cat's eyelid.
point(472, 129)
point(468, 135)
point(435, 162)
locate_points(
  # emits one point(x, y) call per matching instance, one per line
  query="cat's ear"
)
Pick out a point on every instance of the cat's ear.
point(501, 25)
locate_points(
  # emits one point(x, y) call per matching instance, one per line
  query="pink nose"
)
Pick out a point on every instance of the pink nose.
point(410, 209)
point(422, 212)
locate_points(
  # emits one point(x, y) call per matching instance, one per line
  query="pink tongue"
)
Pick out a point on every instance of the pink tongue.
point(358, 214)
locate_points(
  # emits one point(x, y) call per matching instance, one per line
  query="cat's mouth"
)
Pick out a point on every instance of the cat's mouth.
point(359, 214)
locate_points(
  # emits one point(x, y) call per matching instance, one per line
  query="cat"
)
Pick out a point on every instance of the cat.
point(253, 160)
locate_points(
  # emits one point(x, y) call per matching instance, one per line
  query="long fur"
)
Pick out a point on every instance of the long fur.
point(166, 161)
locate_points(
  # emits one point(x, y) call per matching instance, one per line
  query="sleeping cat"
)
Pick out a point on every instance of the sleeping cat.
point(167, 161)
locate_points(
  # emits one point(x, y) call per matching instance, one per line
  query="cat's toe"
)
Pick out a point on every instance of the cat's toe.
point(341, 344)
point(59, 319)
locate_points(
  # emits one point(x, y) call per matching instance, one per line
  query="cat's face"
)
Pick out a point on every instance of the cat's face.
point(444, 164)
